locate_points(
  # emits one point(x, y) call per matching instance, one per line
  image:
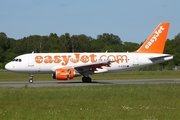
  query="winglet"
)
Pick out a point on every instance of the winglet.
point(156, 41)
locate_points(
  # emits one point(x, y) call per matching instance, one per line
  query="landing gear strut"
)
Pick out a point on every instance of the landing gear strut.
point(86, 79)
point(31, 78)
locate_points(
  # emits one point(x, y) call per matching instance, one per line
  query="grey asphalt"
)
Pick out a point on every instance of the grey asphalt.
point(79, 82)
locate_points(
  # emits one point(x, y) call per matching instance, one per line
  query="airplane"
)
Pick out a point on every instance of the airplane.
point(66, 66)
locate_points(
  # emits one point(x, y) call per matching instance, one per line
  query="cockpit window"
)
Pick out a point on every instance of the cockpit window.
point(17, 60)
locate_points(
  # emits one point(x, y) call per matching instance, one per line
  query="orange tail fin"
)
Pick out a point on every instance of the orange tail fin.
point(156, 41)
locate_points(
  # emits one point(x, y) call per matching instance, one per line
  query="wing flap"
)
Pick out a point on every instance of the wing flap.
point(92, 68)
point(95, 65)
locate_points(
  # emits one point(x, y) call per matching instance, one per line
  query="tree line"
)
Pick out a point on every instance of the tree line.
point(10, 47)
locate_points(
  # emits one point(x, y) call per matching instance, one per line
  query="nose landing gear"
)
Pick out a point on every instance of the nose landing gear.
point(31, 78)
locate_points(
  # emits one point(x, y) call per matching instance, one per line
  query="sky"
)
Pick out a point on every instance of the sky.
point(131, 20)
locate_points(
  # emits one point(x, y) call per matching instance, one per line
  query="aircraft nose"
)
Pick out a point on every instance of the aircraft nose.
point(8, 66)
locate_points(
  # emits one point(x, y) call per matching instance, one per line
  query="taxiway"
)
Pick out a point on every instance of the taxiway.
point(80, 83)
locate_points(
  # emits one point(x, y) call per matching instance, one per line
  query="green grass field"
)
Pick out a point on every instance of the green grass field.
point(115, 102)
point(104, 102)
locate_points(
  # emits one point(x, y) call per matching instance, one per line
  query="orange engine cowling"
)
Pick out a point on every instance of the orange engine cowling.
point(64, 74)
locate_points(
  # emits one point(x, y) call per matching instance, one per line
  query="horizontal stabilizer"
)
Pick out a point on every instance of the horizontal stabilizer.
point(160, 58)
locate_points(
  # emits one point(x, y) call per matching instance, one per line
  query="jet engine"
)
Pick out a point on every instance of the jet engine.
point(64, 74)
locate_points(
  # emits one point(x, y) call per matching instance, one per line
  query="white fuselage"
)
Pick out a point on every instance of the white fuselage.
point(37, 63)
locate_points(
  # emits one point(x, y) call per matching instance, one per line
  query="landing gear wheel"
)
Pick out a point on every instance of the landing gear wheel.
point(31, 79)
point(86, 79)
point(83, 79)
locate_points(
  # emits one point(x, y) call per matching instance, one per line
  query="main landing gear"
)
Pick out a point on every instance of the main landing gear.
point(86, 79)
point(31, 78)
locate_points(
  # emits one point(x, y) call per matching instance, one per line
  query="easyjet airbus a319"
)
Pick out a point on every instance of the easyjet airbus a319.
point(66, 66)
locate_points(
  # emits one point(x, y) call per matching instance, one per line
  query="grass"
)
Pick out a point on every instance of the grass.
point(141, 102)
point(138, 101)
point(10, 76)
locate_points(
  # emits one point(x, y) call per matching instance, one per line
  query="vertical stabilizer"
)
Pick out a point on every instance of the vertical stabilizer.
point(156, 41)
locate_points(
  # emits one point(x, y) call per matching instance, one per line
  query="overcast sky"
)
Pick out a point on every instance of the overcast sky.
point(131, 20)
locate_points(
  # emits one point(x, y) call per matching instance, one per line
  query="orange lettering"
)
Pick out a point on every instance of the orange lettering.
point(57, 59)
point(110, 57)
point(38, 59)
point(65, 59)
point(76, 60)
point(121, 58)
point(92, 56)
point(101, 58)
point(84, 58)
point(48, 59)
point(77, 57)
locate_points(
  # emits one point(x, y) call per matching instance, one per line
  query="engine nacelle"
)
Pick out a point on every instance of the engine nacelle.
point(64, 74)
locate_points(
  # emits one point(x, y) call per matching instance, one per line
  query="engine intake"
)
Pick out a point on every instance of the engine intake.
point(64, 74)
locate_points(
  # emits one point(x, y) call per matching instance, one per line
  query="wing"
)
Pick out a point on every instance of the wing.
point(91, 68)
